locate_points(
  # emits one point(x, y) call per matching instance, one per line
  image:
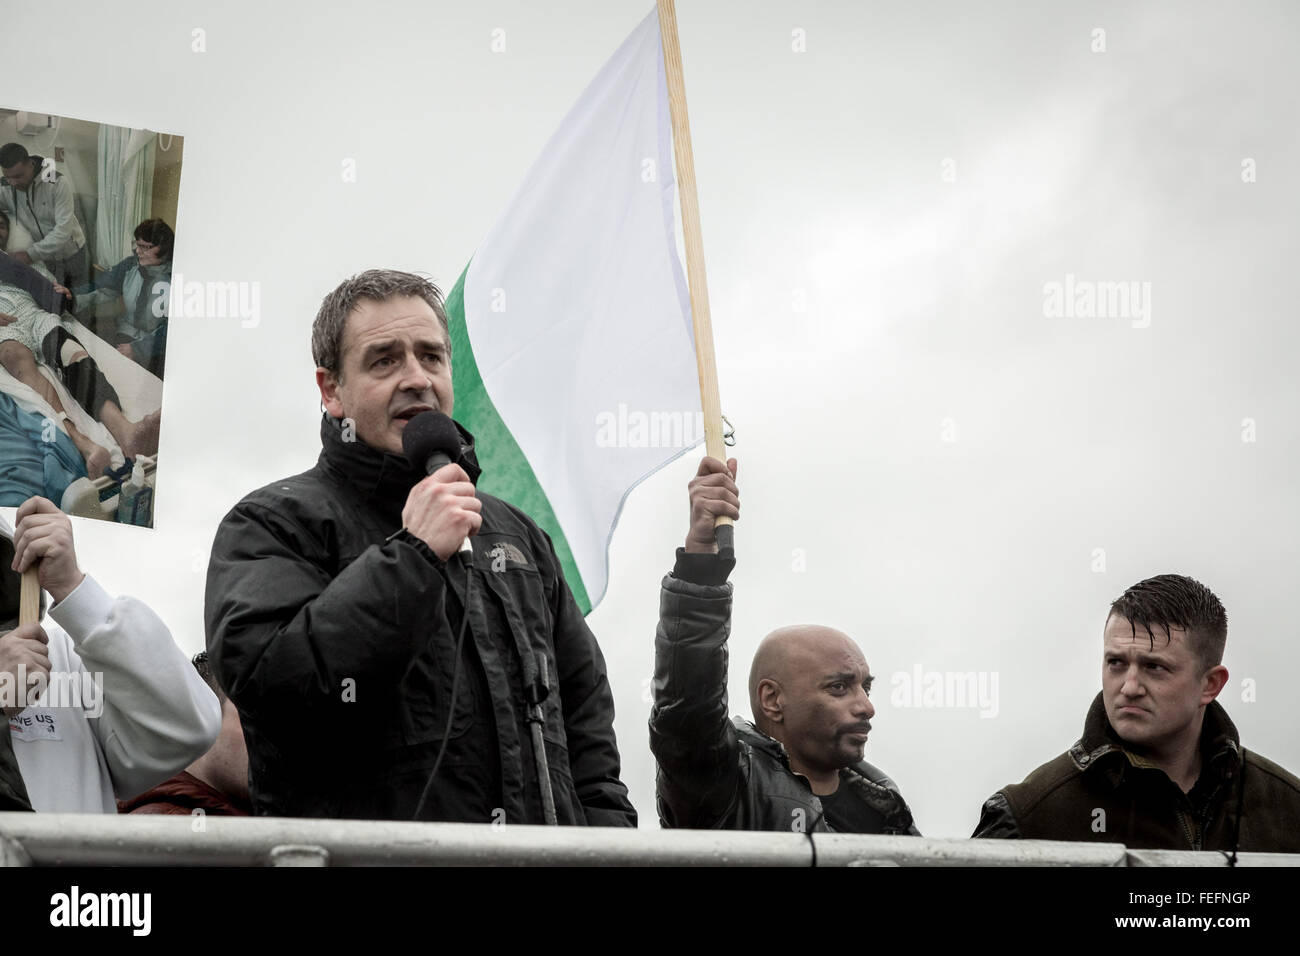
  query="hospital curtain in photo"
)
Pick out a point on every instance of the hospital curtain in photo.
point(126, 160)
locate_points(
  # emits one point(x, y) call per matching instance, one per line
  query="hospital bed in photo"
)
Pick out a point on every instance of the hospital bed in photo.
point(139, 392)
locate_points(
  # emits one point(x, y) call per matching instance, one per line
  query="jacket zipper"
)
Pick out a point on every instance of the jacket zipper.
point(1203, 822)
point(1189, 829)
point(1195, 825)
point(33, 211)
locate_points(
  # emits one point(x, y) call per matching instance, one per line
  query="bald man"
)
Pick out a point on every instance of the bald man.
point(799, 765)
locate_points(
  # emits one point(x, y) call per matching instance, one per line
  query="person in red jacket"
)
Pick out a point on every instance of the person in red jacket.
point(215, 783)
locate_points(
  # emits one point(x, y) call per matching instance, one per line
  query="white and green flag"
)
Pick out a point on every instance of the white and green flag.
point(573, 357)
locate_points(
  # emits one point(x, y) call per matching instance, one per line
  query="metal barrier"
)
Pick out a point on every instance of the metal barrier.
point(53, 839)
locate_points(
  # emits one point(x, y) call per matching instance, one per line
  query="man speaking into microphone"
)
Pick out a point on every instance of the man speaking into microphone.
point(383, 665)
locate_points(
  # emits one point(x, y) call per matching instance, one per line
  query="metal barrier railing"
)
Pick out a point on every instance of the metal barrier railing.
point(53, 839)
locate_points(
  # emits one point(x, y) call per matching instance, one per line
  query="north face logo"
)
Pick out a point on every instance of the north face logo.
point(504, 553)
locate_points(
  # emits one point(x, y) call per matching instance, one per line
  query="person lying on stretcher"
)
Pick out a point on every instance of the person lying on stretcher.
point(31, 336)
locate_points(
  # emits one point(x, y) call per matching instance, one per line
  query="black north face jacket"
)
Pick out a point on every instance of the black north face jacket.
point(716, 773)
point(334, 633)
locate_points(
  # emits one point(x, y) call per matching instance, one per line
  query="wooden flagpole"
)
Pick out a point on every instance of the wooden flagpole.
point(699, 286)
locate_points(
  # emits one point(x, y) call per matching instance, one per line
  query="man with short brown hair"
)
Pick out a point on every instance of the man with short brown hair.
point(375, 676)
point(1160, 765)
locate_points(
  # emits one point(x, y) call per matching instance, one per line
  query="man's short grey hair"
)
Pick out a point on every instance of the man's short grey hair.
point(378, 285)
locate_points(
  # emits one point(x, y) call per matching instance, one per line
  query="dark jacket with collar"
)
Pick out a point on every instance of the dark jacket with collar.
point(716, 773)
point(13, 792)
point(335, 634)
point(1098, 792)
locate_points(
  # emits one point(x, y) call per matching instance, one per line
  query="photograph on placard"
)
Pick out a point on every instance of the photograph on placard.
point(87, 233)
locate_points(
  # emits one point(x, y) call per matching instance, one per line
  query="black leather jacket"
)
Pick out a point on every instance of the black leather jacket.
point(716, 773)
point(334, 633)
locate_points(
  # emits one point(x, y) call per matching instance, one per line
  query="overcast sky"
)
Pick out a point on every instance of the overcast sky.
point(930, 459)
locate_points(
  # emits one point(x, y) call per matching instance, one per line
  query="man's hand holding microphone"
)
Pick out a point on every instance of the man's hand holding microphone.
point(441, 510)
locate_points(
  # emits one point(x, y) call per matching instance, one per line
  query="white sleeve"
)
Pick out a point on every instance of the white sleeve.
point(64, 218)
point(158, 716)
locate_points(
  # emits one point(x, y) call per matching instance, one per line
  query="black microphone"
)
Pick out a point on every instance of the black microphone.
point(431, 441)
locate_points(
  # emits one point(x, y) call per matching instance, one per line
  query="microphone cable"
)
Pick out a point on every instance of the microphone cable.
point(455, 684)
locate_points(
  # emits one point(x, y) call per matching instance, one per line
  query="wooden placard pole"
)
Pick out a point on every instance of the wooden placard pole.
point(29, 597)
point(698, 283)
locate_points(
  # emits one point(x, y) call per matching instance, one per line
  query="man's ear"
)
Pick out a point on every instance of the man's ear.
point(1215, 679)
point(769, 700)
point(328, 384)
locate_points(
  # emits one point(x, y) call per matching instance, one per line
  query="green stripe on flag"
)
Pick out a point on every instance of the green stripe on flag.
point(506, 472)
